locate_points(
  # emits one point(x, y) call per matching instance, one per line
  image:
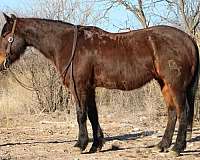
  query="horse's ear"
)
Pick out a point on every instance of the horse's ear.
point(13, 17)
point(7, 18)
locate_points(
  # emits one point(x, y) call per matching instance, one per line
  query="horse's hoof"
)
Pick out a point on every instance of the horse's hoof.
point(97, 148)
point(80, 147)
point(93, 149)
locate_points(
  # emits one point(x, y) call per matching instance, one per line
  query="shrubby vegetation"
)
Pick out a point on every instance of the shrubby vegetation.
point(36, 72)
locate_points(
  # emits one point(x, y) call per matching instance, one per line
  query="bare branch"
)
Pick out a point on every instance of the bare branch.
point(182, 12)
point(138, 12)
point(141, 14)
point(196, 19)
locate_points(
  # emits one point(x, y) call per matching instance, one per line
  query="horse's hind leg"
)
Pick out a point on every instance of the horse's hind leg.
point(182, 107)
point(166, 141)
point(190, 98)
point(191, 92)
point(177, 101)
point(98, 137)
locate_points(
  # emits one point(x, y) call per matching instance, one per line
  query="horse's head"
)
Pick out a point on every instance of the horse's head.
point(12, 45)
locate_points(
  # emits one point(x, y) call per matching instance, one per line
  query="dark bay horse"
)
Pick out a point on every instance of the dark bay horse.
point(88, 57)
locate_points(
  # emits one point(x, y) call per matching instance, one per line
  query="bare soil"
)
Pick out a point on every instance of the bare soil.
point(52, 136)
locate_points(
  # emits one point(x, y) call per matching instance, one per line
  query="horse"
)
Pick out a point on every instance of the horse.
point(88, 57)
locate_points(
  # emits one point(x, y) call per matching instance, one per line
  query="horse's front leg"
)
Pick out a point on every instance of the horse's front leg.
point(98, 138)
point(81, 110)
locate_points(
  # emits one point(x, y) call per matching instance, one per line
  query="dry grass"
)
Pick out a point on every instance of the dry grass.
point(14, 98)
point(148, 100)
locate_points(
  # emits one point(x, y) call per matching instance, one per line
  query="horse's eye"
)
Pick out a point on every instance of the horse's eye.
point(4, 35)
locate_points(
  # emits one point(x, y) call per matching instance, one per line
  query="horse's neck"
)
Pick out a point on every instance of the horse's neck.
point(44, 36)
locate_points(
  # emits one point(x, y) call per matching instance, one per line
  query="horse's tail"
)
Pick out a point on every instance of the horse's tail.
point(191, 93)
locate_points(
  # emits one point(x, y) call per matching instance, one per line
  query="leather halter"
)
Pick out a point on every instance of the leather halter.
point(11, 38)
point(10, 41)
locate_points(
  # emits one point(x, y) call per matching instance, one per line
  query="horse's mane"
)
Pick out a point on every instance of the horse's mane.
point(48, 21)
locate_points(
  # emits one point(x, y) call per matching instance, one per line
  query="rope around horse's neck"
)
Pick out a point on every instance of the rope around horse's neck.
point(22, 83)
point(64, 72)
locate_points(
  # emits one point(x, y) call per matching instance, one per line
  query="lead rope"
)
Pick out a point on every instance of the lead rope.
point(73, 52)
point(21, 84)
point(72, 80)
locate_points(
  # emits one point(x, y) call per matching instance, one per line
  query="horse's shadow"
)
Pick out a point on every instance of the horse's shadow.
point(195, 152)
point(130, 136)
point(134, 136)
point(195, 139)
point(123, 137)
point(36, 142)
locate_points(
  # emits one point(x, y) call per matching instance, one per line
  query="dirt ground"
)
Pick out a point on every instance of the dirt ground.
point(52, 136)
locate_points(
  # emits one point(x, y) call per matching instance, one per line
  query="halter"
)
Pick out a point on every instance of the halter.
point(10, 41)
point(11, 38)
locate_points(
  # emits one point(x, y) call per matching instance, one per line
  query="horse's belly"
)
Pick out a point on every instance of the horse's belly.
point(123, 80)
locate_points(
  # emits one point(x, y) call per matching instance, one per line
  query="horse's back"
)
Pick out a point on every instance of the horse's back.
point(129, 60)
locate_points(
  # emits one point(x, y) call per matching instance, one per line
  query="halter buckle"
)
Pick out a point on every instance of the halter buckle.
point(10, 39)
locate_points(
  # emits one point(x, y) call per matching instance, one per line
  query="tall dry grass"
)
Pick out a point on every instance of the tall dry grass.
point(146, 101)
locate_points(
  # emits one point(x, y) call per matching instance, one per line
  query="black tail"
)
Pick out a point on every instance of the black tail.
point(191, 93)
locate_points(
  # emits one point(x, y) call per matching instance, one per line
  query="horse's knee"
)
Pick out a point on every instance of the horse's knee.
point(81, 117)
